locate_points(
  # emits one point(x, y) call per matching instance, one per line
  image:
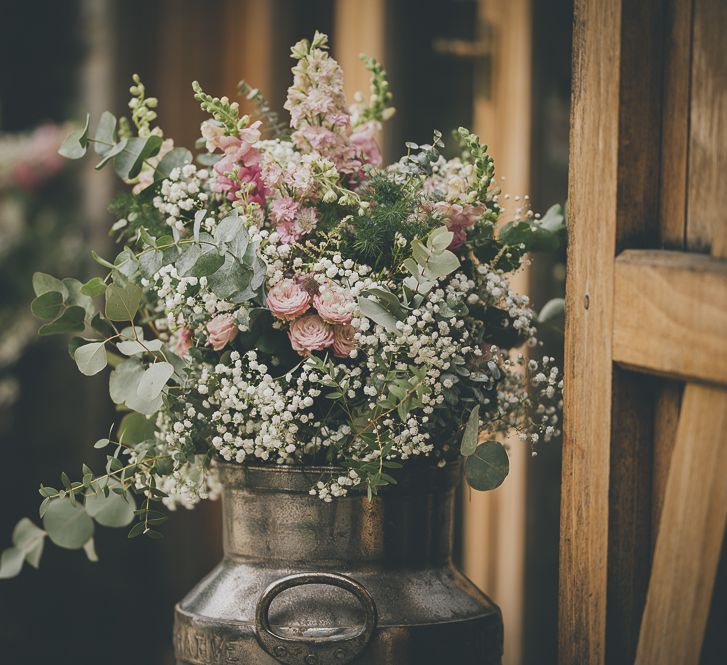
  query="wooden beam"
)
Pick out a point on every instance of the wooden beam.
point(592, 212)
point(690, 534)
point(669, 314)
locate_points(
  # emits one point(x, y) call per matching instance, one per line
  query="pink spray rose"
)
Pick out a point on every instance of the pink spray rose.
point(310, 333)
point(343, 340)
point(222, 330)
point(288, 300)
point(184, 342)
point(334, 304)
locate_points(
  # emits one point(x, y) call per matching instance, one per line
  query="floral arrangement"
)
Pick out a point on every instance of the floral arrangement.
point(286, 299)
point(33, 233)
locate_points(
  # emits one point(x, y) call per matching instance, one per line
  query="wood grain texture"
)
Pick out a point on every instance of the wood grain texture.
point(670, 316)
point(666, 418)
point(690, 535)
point(592, 208)
point(706, 219)
point(675, 122)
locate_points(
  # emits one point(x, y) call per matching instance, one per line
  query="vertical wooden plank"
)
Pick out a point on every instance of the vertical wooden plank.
point(588, 373)
point(666, 419)
point(707, 223)
point(675, 122)
point(690, 535)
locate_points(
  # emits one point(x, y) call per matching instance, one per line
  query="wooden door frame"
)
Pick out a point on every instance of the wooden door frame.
point(631, 145)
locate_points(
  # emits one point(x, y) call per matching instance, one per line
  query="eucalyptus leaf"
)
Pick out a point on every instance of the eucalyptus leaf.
point(110, 154)
point(76, 295)
point(68, 525)
point(114, 510)
point(232, 231)
point(138, 149)
point(439, 239)
point(377, 313)
point(90, 549)
point(135, 428)
point(75, 146)
point(487, 467)
point(132, 347)
point(441, 265)
point(11, 562)
point(471, 432)
point(552, 309)
point(230, 279)
point(94, 287)
point(105, 133)
point(122, 302)
point(44, 283)
point(154, 380)
point(91, 358)
point(199, 259)
point(72, 320)
point(47, 306)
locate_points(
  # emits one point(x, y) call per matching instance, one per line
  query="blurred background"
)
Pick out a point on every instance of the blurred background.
point(501, 67)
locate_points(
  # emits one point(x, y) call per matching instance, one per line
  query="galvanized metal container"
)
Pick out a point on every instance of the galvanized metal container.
point(304, 582)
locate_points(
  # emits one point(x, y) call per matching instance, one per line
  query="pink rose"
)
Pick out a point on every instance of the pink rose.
point(222, 330)
point(343, 340)
point(334, 304)
point(288, 300)
point(310, 333)
point(184, 342)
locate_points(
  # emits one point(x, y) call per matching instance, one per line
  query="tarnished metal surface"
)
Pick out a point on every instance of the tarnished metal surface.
point(394, 550)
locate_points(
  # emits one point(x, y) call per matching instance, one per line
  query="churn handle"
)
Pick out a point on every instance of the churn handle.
point(314, 650)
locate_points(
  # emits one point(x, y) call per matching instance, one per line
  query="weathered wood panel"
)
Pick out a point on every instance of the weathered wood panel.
point(670, 315)
point(690, 534)
point(587, 425)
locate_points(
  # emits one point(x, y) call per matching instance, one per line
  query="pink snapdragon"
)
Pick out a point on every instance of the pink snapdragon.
point(334, 304)
point(310, 333)
point(459, 218)
point(222, 330)
point(343, 340)
point(288, 300)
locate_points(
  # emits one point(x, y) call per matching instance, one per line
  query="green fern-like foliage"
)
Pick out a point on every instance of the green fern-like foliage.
point(374, 236)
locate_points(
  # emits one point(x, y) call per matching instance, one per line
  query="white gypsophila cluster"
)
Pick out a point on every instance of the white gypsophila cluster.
point(188, 302)
point(451, 179)
point(181, 194)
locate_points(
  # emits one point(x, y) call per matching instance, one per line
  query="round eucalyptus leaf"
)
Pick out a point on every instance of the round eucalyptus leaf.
point(114, 510)
point(47, 305)
point(67, 525)
point(11, 562)
point(91, 358)
point(154, 379)
point(487, 467)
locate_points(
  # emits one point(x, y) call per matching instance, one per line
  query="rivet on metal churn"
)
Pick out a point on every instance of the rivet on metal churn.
point(281, 651)
point(311, 659)
point(340, 654)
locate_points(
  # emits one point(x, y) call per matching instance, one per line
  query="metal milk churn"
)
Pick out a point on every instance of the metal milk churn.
point(304, 582)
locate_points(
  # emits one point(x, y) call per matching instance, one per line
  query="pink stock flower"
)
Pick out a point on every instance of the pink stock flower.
point(304, 222)
point(334, 304)
point(365, 143)
point(288, 300)
point(459, 237)
point(343, 340)
point(222, 330)
point(212, 132)
point(184, 342)
point(310, 333)
point(459, 218)
point(283, 210)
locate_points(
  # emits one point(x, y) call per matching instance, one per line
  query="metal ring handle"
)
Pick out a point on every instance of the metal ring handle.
point(314, 650)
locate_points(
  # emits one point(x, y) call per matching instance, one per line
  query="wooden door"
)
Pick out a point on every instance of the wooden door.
point(644, 498)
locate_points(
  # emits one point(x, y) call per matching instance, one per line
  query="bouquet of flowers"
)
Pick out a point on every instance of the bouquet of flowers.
point(286, 299)
point(33, 232)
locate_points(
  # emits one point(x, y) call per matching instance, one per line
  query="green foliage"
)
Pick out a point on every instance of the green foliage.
point(75, 146)
point(378, 107)
point(28, 542)
point(122, 302)
point(471, 432)
point(476, 153)
point(67, 523)
point(533, 235)
point(487, 467)
point(222, 110)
